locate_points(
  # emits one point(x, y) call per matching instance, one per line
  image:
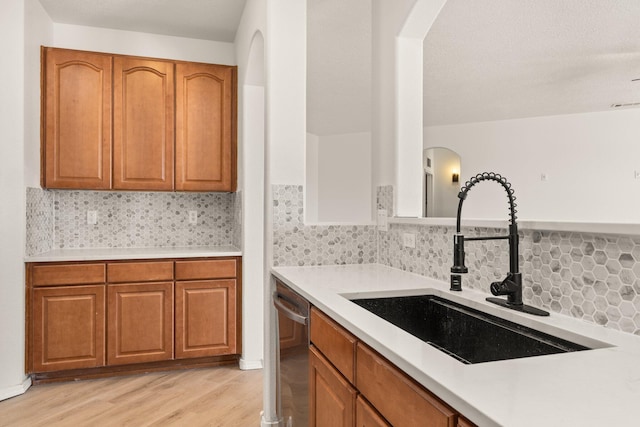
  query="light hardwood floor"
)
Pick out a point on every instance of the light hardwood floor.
point(217, 397)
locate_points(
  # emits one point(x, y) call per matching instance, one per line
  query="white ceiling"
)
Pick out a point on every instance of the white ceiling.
point(199, 19)
point(338, 66)
point(503, 59)
point(484, 60)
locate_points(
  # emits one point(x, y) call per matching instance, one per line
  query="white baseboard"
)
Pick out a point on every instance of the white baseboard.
point(15, 390)
point(247, 365)
point(265, 423)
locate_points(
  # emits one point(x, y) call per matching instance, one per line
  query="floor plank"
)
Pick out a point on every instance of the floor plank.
point(222, 396)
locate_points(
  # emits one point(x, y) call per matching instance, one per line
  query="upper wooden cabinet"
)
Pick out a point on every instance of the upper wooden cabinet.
point(143, 124)
point(205, 114)
point(76, 119)
point(174, 123)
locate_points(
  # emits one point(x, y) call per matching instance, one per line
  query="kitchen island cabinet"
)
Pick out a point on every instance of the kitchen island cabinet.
point(332, 399)
point(143, 107)
point(342, 368)
point(88, 319)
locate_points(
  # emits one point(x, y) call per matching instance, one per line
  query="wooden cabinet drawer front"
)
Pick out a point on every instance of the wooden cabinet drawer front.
point(338, 345)
point(206, 269)
point(67, 274)
point(398, 398)
point(139, 271)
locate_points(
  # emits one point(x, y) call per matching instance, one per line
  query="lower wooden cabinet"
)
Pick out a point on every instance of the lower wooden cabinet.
point(116, 315)
point(367, 416)
point(379, 395)
point(332, 400)
point(205, 318)
point(140, 325)
point(68, 327)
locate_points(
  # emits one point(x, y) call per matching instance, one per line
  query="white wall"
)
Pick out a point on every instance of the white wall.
point(15, 16)
point(387, 21)
point(142, 44)
point(312, 159)
point(344, 178)
point(589, 159)
point(252, 176)
point(286, 81)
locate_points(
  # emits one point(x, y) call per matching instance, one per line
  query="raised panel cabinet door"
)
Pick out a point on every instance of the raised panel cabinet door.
point(143, 123)
point(205, 127)
point(76, 119)
point(68, 328)
point(367, 416)
point(332, 400)
point(205, 318)
point(140, 323)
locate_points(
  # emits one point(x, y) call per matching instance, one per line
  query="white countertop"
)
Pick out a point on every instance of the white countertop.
point(599, 387)
point(106, 254)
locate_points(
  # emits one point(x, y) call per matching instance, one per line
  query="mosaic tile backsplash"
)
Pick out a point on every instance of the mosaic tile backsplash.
point(295, 243)
point(127, 219)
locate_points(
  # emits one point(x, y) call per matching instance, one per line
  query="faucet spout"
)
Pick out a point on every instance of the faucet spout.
point(511, 286)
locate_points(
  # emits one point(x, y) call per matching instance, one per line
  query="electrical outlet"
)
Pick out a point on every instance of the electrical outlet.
point(409, 240)
point(636, 174)
point(193, 217)
point(544, 177)
point(92, 217)
point(382, 220)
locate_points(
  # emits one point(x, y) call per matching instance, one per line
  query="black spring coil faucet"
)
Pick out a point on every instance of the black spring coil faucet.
point(511, 286)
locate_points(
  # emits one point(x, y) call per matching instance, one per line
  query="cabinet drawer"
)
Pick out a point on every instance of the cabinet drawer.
point(139, 271)
point(206, 269)
point(398, 398)
point(338, 345)
point(67, 274)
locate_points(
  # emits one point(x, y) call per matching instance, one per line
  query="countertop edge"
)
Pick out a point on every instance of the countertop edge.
point(110, 254)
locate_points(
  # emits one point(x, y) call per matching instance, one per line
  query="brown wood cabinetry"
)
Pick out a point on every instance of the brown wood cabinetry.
point(332, 400)
point(140, 323)
point(207, 318)
point(398, 398)
point(68, 327)
point(205, 112)
point(367, 416)
point(76, 119)
point(120, 314)
point(152, 105)
point(143, 124)
point(342, 368)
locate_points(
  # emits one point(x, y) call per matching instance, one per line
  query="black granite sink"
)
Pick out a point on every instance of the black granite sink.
point(466, 334)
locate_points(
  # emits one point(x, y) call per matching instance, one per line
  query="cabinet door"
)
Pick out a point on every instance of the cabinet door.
point(140, 323)
point(367, 416)
point(396, 396)
point(143, 100)
point(332, 399)
point(205, 127)
point(205, 318)
point(77, 120)
point(68, 327)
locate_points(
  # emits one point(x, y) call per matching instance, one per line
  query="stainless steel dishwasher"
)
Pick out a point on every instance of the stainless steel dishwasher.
point(293, 356)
